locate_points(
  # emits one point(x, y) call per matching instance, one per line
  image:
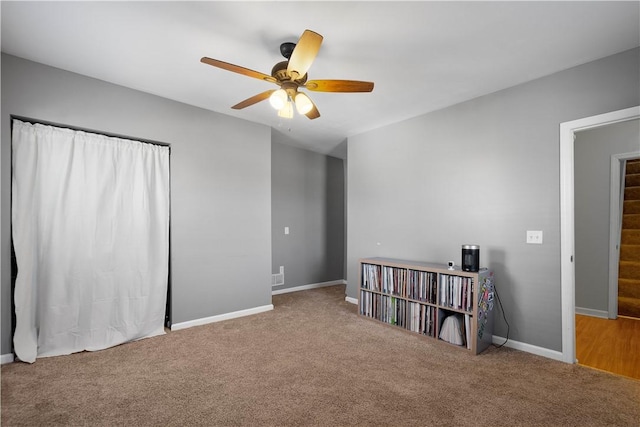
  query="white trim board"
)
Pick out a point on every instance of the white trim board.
point(567, 222)
point(528, 348)
point(221, 317)
point(593, 313)
point(307, 287)
point(6, 358)
point(351, 300)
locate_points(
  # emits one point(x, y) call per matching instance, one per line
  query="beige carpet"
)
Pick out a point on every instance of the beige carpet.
point(311, 361)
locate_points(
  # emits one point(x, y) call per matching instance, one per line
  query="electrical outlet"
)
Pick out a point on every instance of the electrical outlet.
point(534, 237)
point(282, 269)
point(286, 230)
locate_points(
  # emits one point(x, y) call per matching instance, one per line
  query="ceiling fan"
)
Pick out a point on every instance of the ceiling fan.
point(291, 75)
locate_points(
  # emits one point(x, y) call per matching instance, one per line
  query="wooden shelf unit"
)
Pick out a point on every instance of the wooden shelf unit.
point(419, 296)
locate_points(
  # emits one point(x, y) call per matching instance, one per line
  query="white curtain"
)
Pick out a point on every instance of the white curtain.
point(90, 223)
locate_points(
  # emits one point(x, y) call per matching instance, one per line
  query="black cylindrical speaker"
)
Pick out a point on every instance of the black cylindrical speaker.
point(470, 258)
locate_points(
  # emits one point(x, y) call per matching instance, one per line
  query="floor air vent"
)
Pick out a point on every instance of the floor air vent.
point(277, 279)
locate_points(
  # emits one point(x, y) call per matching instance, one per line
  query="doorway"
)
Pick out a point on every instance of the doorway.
point(605, 233)
point(567, 223)
point(628, 295)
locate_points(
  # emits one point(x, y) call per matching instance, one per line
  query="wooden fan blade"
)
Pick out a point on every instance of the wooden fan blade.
point(237, 69)
point(253, 100)
point(339, 86)
point(303, 54)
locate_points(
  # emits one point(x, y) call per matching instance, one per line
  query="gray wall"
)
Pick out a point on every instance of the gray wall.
point(307, 195)
point(482, 172)
point(220, 183)
point(592, 166)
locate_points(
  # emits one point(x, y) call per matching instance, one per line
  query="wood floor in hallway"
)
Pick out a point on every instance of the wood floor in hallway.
point(609, 345)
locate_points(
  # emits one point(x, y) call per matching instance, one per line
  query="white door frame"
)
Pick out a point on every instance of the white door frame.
point(567, 225)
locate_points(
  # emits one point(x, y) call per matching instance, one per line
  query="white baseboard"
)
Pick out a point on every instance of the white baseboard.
point(593, 313)
point(221, 317)
point(533, 349)
point(6, 358)
point(307, 287)
point(540, 351)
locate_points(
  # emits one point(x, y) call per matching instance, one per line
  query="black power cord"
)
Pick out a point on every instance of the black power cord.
point(495, 289)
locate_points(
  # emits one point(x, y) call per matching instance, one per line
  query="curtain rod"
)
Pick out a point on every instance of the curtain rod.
point(77, 128)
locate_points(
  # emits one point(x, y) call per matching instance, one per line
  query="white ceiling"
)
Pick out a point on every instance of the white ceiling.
point(422, 56)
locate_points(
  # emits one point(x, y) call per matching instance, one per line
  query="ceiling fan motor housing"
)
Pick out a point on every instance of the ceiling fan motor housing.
point(279, 72)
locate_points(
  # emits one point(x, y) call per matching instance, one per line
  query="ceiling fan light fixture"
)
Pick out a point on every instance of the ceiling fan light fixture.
point(303, 103)
point(279, 99)
point(286, 111)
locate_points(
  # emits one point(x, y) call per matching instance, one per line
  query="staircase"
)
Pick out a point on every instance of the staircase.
point(629, 264)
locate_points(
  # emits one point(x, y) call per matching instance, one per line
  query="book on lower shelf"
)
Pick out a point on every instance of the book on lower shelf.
point(467, 330)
